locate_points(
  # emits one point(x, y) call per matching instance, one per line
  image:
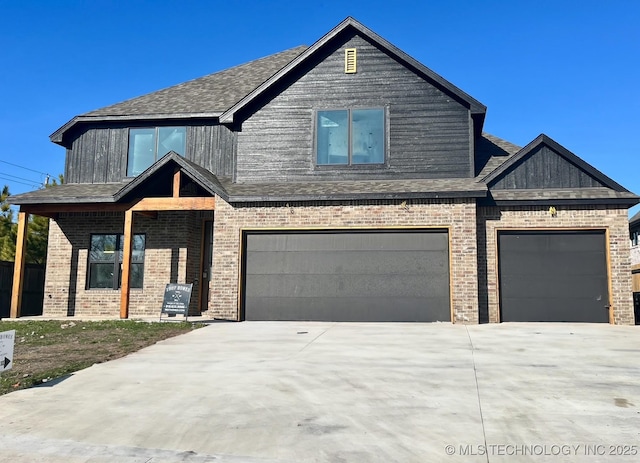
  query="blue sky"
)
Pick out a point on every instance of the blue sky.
point(568, 69)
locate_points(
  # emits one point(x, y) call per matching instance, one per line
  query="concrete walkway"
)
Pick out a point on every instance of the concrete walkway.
point(349, 392)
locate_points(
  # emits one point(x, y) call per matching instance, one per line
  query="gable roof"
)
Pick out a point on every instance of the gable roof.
point(587, 184)
point(544, 140)
point(222, 94)
point(474, 105)
point(206, 96)
point(167, 164)
point(157, 180)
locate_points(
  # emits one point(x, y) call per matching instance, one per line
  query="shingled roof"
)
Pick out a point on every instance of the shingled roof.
point(207, 96)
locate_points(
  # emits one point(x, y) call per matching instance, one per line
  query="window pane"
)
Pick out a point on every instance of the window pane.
point(137, 253)
point(367, 136)
point(137, 260)
point(171, 139)
point(141, 150)
point(103, 248)
point(137, 273)
point(333, 137)
point(101, 276)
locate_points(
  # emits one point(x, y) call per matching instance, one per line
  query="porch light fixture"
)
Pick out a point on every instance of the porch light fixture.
point(553, 212)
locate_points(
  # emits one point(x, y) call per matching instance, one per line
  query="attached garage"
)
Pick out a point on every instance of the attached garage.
point(368, 275)
point(553, 276)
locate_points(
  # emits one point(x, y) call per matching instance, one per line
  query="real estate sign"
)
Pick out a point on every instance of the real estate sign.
point(7, 340)
point(176, 299)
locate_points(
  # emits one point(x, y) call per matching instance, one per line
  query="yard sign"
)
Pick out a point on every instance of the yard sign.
point(7, 340)
point(176, 300)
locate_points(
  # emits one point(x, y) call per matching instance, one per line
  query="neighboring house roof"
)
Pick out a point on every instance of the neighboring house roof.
point(207, 96)
point(635, 220)
point(349, 23)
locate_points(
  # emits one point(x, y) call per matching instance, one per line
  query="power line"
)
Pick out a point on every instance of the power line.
point(32, 184)
point(25, 168)
point(19, 178)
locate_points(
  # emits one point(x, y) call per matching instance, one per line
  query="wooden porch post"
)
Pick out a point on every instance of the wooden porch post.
point(126, 264)
point(18, 266)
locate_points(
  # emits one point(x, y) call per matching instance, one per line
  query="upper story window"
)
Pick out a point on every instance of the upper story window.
point(634, 238)
point(350, 137)
point(147, 145)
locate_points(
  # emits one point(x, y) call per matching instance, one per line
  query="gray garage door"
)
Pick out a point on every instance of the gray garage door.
point(354, 276)
point(553, 276)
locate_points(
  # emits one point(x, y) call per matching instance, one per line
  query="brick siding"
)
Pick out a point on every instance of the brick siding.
point(174, 241)
point(172, 255)
point(458, 216)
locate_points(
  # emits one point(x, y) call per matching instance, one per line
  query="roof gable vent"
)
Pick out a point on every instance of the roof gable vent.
point(350, 61)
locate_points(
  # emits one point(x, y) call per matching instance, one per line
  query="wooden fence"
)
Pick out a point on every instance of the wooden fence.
point(32, 291)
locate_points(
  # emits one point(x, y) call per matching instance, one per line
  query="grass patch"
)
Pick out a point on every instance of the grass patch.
point(46, 350)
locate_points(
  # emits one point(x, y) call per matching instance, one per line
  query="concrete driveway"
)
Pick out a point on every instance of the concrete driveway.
point(348, 392)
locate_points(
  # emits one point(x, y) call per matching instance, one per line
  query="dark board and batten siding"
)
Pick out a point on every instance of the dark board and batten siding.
point(99, 155)
point(428, 129)
point(544, 168)
point(212, 147)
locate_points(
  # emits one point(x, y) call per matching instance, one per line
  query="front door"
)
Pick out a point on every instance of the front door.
point(207, 264)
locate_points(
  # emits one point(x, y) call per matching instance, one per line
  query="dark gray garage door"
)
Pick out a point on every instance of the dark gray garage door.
point(340, 276)
point(553, 276)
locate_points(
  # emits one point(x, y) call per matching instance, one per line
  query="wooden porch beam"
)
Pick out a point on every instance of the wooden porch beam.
point(18, 266)
point(145, 204)
point(175, 204)
point(125, 284)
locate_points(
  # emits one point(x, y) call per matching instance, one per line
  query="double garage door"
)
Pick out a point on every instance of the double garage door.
point(556, 276)
point(347, 276)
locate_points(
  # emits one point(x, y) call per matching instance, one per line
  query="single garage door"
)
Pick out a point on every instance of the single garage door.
point(554, 276)
point(347, 276)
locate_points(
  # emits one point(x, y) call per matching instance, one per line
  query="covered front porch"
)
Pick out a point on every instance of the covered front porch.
point(113, 247)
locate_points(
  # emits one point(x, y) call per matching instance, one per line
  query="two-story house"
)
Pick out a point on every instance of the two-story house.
point(344, 181)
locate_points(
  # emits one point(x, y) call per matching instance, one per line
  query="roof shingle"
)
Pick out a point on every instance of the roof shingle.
point(213, 93)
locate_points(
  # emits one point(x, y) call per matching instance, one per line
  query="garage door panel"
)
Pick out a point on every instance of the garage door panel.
point(347, 262)
point(578, 263)
point(553, 276)
point(541, 286)
point(553, 241)
point(552, 310)
point(338, 276)
point(354, 309)
point(348, 241)
point(304, 286)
